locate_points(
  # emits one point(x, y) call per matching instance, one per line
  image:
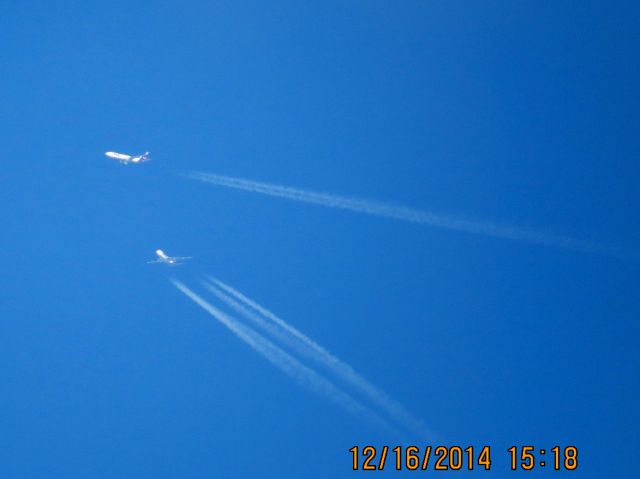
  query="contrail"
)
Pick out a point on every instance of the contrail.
point(399, 212)
point(302, 374)
point(306, 346)
point(266, 325)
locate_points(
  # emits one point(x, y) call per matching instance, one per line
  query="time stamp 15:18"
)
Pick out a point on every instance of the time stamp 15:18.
point(455, 458)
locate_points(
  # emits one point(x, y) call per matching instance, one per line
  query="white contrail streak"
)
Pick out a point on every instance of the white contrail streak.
point(302, 374)
point(264, 324)
point(399, 212)
point(306, 346)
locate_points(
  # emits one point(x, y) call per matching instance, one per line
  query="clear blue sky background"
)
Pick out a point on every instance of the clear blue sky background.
point(525, 113)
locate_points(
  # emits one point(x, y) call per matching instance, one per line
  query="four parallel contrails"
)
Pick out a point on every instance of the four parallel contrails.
point(302, 374)
point(295, 340)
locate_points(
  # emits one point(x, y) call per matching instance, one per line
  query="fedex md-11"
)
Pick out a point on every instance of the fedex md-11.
point(126, 159)
point(161, 257)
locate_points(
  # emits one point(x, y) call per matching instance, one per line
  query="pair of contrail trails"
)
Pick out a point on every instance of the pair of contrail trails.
point(304, 345)
point(302, 374)
point(403, 213)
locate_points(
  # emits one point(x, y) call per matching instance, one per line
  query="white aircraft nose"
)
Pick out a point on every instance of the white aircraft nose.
point(159, 252)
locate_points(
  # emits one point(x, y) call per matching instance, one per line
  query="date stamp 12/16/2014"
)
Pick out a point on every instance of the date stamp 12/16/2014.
point(455, 458)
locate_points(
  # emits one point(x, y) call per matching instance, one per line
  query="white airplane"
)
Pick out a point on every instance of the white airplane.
point(170, 260)
point(126, 159)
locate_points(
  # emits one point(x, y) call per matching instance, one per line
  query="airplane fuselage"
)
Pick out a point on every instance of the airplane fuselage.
point(122, 158)
point(164, 258)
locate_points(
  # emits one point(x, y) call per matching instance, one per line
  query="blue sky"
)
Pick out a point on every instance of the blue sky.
point(524, 113)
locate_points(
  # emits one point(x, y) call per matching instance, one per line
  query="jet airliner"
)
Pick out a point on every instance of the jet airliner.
point(126, 159)
point(170, 260)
